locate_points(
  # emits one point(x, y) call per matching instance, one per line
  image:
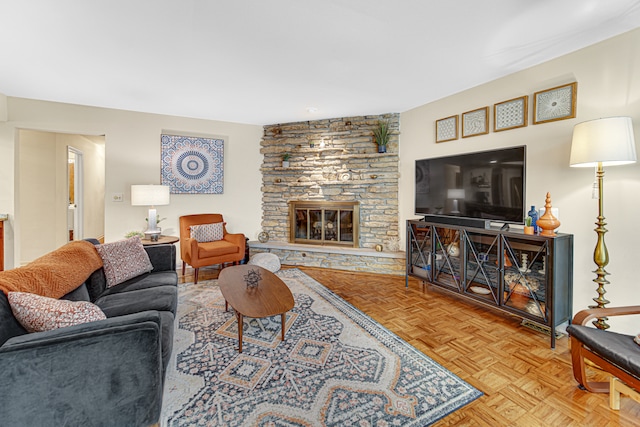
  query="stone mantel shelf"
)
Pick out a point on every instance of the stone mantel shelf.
point(327, 249)
point(390, 156)
point(329, 183)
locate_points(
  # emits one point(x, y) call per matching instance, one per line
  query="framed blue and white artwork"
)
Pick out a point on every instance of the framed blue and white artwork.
point(193, 165)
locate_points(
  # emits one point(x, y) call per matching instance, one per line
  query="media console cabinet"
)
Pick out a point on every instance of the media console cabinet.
point(529, 276)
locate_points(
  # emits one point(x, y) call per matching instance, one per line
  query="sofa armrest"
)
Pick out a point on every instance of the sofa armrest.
point(163, 257)
point(583, 316)
point(107, 372)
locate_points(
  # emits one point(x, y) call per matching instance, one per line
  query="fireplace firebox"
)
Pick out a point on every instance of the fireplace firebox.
point(324, 223)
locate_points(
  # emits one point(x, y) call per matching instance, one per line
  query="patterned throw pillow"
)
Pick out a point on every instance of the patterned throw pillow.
point(207, 232)
point(124, 260)
point(37, 313)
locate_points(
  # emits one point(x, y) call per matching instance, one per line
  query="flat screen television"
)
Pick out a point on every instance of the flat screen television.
point(487, 186)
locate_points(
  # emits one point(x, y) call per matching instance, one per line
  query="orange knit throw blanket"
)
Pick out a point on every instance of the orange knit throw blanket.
point(56, 273)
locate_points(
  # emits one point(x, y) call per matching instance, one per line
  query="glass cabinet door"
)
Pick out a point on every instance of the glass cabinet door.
point(447, 269)
point(482, 269)
point(525, 276)
point(420, 251)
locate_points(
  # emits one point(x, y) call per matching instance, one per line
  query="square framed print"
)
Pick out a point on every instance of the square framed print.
point(510, 114)
point(447, 129)
point(558, 103)
point(192, 165)
point(475, 122)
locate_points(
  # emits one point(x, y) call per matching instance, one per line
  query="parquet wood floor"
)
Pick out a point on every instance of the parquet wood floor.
point(525, 383)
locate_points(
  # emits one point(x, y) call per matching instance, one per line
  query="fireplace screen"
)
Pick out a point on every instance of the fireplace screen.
point(324, 223)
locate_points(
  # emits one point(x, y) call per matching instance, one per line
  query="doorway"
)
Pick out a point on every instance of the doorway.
point(75, 182)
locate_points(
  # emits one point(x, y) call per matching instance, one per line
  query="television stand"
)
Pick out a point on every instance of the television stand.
point(529, 276)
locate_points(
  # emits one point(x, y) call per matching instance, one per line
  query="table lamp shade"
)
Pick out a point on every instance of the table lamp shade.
point(150, 195)
point(608, 141)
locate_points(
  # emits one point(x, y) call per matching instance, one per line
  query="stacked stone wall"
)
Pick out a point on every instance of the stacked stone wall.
point(332, 160)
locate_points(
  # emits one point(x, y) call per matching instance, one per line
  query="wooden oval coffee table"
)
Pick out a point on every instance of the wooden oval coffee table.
point(270, 297)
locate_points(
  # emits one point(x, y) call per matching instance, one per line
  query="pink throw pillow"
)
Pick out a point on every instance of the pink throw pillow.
point(37, 313)
point(124, 260)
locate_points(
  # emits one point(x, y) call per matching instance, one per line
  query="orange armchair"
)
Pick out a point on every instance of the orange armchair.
point(201, 254)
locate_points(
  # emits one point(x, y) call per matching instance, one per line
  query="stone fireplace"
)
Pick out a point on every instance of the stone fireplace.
point(324, 223)
point(331, 161)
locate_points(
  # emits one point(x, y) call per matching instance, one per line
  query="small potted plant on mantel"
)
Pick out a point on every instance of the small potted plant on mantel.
point(381, 134)
point(285, 160)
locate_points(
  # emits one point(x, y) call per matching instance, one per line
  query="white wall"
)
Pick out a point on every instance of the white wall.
point(132, 143)
point(608, 76)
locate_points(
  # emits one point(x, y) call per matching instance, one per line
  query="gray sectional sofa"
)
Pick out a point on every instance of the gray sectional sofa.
point(103, 373)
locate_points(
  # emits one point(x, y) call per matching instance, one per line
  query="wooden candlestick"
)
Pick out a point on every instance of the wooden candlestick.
point(548, 222)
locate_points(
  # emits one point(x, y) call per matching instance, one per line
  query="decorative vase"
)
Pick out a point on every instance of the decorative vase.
point(285, 163)
point(533, 213)
point(548, 222)
point(382, 148)
point(453, 249)
point(529, 229)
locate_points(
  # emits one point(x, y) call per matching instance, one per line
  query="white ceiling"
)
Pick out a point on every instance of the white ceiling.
point(267, 61)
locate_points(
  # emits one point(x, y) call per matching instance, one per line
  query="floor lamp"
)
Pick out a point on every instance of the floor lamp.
point(599, 143)
point(151, 195)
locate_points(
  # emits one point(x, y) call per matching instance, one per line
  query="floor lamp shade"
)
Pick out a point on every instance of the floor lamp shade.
point(599, 143)
point(151, 195)
point(608, 141)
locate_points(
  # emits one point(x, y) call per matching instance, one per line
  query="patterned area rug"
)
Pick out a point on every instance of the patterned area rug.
point(336, 367)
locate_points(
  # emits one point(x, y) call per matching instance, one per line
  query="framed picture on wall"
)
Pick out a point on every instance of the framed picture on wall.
point(558, 103)
point(510, 114)
point(192, 165)
point(475, 122)
point(447, 129)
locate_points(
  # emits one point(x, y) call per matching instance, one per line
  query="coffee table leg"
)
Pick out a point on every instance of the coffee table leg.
point(240, 324)
point(283, 319)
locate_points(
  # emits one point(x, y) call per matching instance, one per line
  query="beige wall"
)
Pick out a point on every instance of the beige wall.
point(608, 76)
point(132, 156)
point(42, 189)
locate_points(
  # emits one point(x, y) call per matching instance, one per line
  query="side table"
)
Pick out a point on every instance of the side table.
point(162, 240)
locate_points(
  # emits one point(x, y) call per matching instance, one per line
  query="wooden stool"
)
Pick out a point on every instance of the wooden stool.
point(615, 388)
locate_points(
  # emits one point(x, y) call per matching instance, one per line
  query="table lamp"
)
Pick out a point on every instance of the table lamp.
point(151, 195)
point(608, 141)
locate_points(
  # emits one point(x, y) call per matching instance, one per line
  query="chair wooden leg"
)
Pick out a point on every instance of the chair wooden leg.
point(578, 355)
point(614, 394)
point(184, 266)
point(195, 276)
point(617, 387)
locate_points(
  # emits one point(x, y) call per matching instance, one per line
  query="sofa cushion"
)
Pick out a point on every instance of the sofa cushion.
point(37, 313)
point(54, 274)
point(9, 325)
point(221, 247)
point(78, 294)
point(123, 260)
point(144, 281)
point(616, 348)
point(161, 298)
point(207, 232)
